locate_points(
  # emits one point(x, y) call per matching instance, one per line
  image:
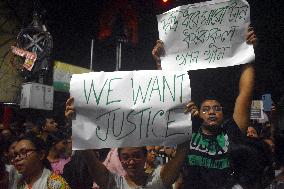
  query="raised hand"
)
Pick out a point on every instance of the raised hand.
point(157, 52)
point(69, 108)
point(192, 108)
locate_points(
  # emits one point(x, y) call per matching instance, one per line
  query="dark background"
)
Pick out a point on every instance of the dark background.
point(74, 23)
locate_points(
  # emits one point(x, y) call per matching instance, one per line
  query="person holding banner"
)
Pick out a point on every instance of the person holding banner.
point(207, 165)
point(159, 50)
point(133, 160)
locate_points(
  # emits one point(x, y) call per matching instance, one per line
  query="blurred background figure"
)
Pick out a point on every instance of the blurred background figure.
point(57, 146)
point(253, 131)
point(151, 162)
point(170, 152)
point(31, 128)
point(47, 125)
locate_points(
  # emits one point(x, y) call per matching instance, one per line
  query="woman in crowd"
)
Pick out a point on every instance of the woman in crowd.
point(57, 145)
point(30, 161)
point(150, 160)
point(133, 160)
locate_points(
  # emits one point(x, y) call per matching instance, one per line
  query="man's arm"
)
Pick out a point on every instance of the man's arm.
point(243, 102)
point(96, 169)
point(171, 170)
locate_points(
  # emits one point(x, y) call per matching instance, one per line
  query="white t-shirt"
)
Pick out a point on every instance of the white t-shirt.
point(154, 181)
point(41, 183)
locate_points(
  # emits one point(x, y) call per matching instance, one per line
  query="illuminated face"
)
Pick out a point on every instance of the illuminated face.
point(169, 151)
point(133, 160)
point(251, 132)
point(211, 113)
point(26, 158)
point(50, 125)
point(151, 154)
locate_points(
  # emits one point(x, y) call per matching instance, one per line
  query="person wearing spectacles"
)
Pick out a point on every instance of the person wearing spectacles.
point(133, 161)
point(207, 164)
point(30, 161)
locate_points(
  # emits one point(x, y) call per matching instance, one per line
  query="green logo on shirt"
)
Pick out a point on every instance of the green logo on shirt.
point(209, 147)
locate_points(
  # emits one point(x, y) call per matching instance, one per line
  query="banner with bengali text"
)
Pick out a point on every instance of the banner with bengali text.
point(205, 35)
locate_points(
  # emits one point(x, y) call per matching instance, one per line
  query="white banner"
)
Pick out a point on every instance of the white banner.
point(205, 35)
point(116, 109)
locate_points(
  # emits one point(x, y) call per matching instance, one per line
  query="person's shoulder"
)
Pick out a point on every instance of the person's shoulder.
point(56, 181)
point(231, 128)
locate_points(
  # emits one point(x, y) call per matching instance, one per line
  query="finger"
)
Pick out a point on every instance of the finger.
point(70, 101)
point(155, 54)
point(249, 34)
point(190, 109)
point(160, 48)
point(160, 42)
point(189, 106)
point(69, 112)
point(69, 108)
point(250, 28)
point(196, 113)
point(191, 103)
point(252, 40)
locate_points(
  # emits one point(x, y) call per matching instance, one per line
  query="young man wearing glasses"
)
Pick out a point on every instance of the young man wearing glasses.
point(207, 164)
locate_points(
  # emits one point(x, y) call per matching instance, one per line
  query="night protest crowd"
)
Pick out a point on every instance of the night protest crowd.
point(226, 150)
point(233, 153)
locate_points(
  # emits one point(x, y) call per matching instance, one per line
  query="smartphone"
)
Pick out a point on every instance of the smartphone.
point(267, 102)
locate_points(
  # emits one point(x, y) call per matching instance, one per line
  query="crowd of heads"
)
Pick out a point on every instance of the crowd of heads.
point(40, 144)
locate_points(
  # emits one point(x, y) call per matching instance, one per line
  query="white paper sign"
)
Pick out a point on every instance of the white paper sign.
point(205, 35)
point(256, 110)
point(116, 109)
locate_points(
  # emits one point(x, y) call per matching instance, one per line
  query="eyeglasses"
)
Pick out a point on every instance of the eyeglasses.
point(134, 157)
point(153, 150)
point(206, 109)
point(23, 154)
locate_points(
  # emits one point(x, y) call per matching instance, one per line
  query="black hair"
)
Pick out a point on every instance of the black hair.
point(39, 145)
point(102, 153)
point(211, 97)
point(76, 173)
point(251, 161)
point(279, 147)
point(55, 138)
point(258, 128)
point(8, 143)
point(41, 121)
point(279, 132)
point(143, 148)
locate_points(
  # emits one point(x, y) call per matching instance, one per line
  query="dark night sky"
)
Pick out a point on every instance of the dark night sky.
point(74, 23)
